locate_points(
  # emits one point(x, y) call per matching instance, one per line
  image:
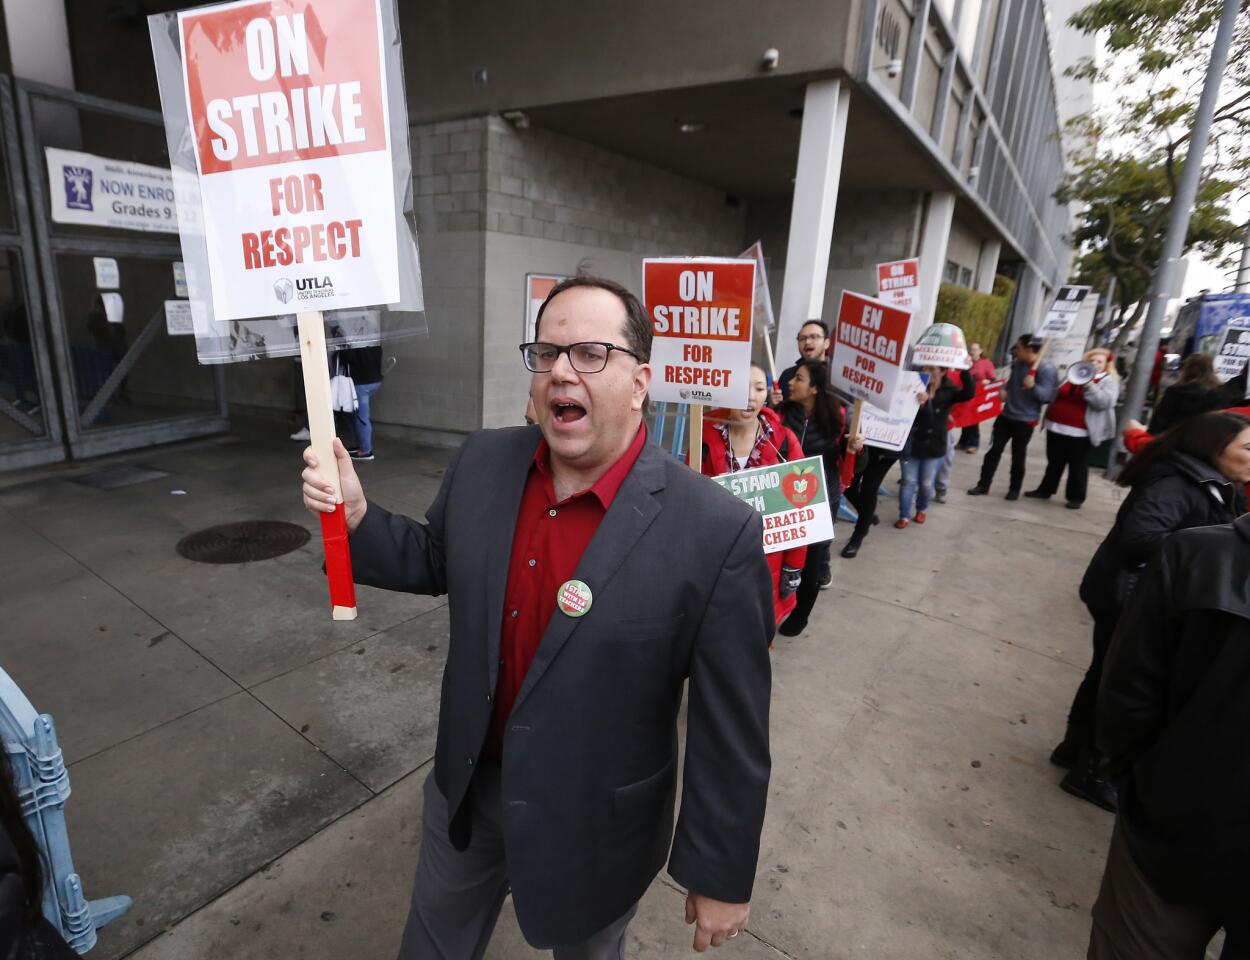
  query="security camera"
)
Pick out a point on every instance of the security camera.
point(772, 57)
point(893, 68)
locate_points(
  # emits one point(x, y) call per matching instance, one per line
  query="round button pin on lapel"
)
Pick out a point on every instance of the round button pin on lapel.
point(574, 598)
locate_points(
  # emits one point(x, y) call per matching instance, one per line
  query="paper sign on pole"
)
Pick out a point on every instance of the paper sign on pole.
point(107, 274)
point(1061, 316)
point(114, 307)
point(700, 311)
point(1234, 349)
point(869, 349)
point(287, 101)
point(764, 319)
point(792, 497)
point(179, 318)
point(180, 280)
point(898, 283)
point(537, 286)
point(103, 192)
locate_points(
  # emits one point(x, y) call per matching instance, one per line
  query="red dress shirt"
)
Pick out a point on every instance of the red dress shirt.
point(547, 545)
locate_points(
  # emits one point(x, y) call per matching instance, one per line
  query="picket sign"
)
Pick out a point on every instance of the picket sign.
point(793, 498)
point(701, 311)
point(316, 364)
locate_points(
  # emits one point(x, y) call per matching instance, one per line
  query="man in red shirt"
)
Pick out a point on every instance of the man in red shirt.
point(590, 578)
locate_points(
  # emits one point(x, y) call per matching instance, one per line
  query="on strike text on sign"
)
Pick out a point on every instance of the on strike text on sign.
point(701, 317)
point(288, 106)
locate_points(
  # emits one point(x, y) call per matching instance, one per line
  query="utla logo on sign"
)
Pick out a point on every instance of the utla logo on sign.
point(288, 104)
point(1061, 316)
point(869, 349)
point(700, 313)
point(898, 283)
point(792, 498)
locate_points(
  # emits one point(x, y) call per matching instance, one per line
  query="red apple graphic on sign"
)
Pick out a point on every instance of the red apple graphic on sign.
point(801, 486)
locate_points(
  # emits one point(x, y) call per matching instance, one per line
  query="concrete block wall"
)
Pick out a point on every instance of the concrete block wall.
point(434, 391)
point(557, 206)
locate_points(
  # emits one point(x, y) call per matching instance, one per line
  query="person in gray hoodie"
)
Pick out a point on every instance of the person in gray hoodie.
point(1032, 384)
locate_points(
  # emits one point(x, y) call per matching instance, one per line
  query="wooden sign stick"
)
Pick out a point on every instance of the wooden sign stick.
point(768, 352)
point(316, 366)
point(857, 413)
point(695, 456)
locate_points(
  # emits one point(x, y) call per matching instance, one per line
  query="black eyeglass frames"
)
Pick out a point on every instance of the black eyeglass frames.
point(589, 356)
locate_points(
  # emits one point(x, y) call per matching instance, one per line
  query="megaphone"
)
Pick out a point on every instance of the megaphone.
point(1081, 373)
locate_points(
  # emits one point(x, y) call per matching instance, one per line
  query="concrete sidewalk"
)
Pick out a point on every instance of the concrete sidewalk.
point(250, 772)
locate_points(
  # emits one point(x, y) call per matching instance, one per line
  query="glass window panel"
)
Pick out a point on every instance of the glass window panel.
point(19, 385)
point(166, 381)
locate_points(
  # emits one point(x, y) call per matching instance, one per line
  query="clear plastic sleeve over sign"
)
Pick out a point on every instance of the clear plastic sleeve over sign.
point(288, 143)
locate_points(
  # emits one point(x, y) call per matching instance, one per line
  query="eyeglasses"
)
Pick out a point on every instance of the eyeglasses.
point(810, 336)
point(589, 356)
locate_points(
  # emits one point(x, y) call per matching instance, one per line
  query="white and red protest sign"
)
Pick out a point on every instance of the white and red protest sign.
point(898, 283)
point(1061, 316)
point(1234, 349)
point(869, 349)
point(287, 101)
point(700, 313)
point(985, 405)
point(889, 430)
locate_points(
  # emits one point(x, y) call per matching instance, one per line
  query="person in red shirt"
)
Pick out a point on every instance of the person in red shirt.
point(593, 584)
point(749, 438)
point(982, 369)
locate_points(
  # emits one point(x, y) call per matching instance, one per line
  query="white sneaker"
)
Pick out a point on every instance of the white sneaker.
point(301, 434)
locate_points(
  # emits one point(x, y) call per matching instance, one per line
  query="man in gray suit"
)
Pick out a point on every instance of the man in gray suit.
point(589, 577)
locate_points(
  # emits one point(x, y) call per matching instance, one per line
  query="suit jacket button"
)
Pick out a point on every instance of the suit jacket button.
point(469, 761)
point(489, 698)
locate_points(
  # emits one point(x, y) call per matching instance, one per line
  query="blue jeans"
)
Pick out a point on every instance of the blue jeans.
point(944, 474)
point(360, 419)
point(920, 472)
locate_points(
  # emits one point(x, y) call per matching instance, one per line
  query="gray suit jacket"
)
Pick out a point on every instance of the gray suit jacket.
point(682, 591)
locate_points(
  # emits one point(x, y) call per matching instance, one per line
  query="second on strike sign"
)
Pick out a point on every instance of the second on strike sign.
point(869, 350)
point(700, 313)
point(288, 103)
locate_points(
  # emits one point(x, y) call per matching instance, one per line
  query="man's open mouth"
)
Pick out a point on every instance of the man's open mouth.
point(566, 411)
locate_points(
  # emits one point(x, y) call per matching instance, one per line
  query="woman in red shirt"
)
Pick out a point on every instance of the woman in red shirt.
point(755, 437)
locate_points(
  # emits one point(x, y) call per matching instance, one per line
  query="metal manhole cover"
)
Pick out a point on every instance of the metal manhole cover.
point(242, 542)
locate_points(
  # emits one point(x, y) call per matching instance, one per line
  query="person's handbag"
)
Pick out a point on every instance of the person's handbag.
point(342, 389)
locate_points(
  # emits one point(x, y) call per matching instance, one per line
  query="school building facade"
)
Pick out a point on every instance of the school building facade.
point(569, 137)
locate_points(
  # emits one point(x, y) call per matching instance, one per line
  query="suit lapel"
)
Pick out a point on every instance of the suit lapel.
point(633, 510)
point(498, 528)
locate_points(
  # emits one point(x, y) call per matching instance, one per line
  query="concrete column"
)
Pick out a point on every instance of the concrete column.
point(938, 213)
point(39, 41)
point(815, 198)
point(1028, 308)
point(987, 265)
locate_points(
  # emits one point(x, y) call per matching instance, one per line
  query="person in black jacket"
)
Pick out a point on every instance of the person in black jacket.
point(25, 934)
point(925, 449)
point(1197, 391)
point(818, 419)
point(1176, 482)
point(1173, 716)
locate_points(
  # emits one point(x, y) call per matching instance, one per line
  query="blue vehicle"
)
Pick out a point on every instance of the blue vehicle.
point(1200, 322)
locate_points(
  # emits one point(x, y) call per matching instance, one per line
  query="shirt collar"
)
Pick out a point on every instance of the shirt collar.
point(606, 487)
